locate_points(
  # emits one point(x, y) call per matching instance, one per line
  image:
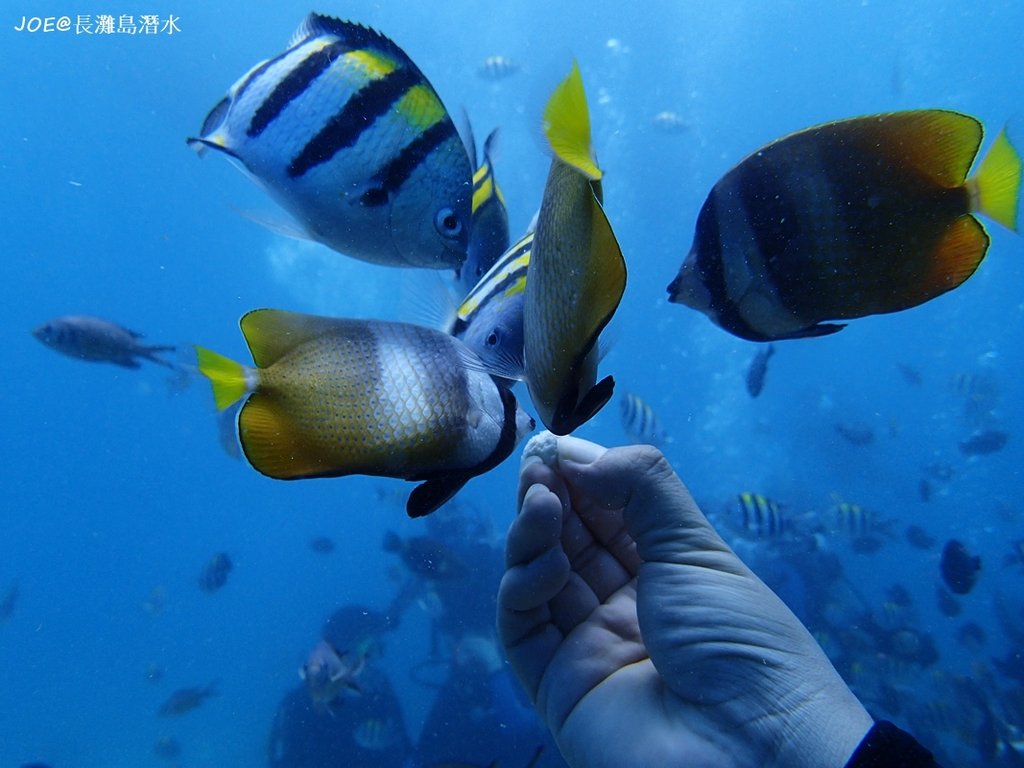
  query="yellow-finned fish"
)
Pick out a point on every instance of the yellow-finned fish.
point(347, 135)
point(858, 217)
point(577, 274)
point(331, 397)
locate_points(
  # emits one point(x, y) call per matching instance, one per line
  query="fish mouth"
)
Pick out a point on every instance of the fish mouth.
point(687, 287)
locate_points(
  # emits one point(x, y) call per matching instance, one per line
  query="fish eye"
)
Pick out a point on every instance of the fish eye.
point(448, 223)
point(493, 338)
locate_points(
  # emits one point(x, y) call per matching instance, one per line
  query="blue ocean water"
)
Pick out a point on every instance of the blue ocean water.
point(114, 485)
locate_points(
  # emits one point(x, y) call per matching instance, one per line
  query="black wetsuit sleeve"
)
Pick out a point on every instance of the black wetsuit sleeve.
point(886, 746)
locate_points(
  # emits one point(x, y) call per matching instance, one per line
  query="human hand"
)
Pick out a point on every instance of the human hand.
point(640, 636)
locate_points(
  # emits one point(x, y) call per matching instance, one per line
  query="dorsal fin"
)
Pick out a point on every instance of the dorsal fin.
point(354, 35)
point(273, 333)
point(938, 143)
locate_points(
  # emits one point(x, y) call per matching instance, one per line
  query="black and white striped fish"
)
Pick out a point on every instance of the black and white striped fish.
point(640, 422)
point(347, 135)
point(760, 516)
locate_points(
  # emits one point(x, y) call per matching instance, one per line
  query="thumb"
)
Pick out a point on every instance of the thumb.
point(659, 512)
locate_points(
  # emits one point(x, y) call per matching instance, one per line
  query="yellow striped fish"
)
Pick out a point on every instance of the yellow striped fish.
point(490, 318)
point(331, 397)
point(577, 274)
point(488, 237)
point(348, 136)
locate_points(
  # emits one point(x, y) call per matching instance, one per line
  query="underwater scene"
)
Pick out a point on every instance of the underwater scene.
point(264, 428)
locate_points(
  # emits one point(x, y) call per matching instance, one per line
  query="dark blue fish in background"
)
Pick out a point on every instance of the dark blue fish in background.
point(856, 434)
point(857, 217)
point(959, 568)
point(758, 369)
point(639, 421)
point(215, 574)
point(489, 235)
point(9, 601)
point(96, 340)
point(984, 442)
point(348, 136)
point(184, 700)
point(919, 538)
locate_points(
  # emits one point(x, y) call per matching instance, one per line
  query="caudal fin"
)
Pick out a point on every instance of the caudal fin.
point(228, 378)
point(995, 188)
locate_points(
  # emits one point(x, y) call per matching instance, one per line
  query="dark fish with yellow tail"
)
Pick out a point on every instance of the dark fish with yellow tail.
point(577, 274)
point(348, 136)
point(331, 397)
point(858, 217)
point(96, 340)
point(489, 235)
point(490, 319)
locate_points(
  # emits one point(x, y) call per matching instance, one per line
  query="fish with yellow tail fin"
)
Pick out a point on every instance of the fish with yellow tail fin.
point(331, 397)
point(577, 274)
point(858, 217)
point(348, 136)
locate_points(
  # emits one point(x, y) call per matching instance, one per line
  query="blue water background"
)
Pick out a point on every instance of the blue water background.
point(112, 486)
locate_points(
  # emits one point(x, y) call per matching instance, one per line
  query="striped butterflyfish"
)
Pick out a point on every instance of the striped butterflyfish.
point(639, 421)
point(577, 274)
point(330, 397)
point(490, 319)
point(489, 235)
point(349, 137)
point(858, 217)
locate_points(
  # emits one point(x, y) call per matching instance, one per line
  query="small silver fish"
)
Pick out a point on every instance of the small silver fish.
point(329, 674)
point(94, 339)
point(670, 122)
point(498, 68)
point(348, 136)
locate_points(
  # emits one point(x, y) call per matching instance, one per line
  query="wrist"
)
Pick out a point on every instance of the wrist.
point(825, 731)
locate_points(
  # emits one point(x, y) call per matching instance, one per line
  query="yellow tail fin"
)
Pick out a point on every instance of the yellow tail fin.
point(567, 125)
point(228, 378)
point(995, 188)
